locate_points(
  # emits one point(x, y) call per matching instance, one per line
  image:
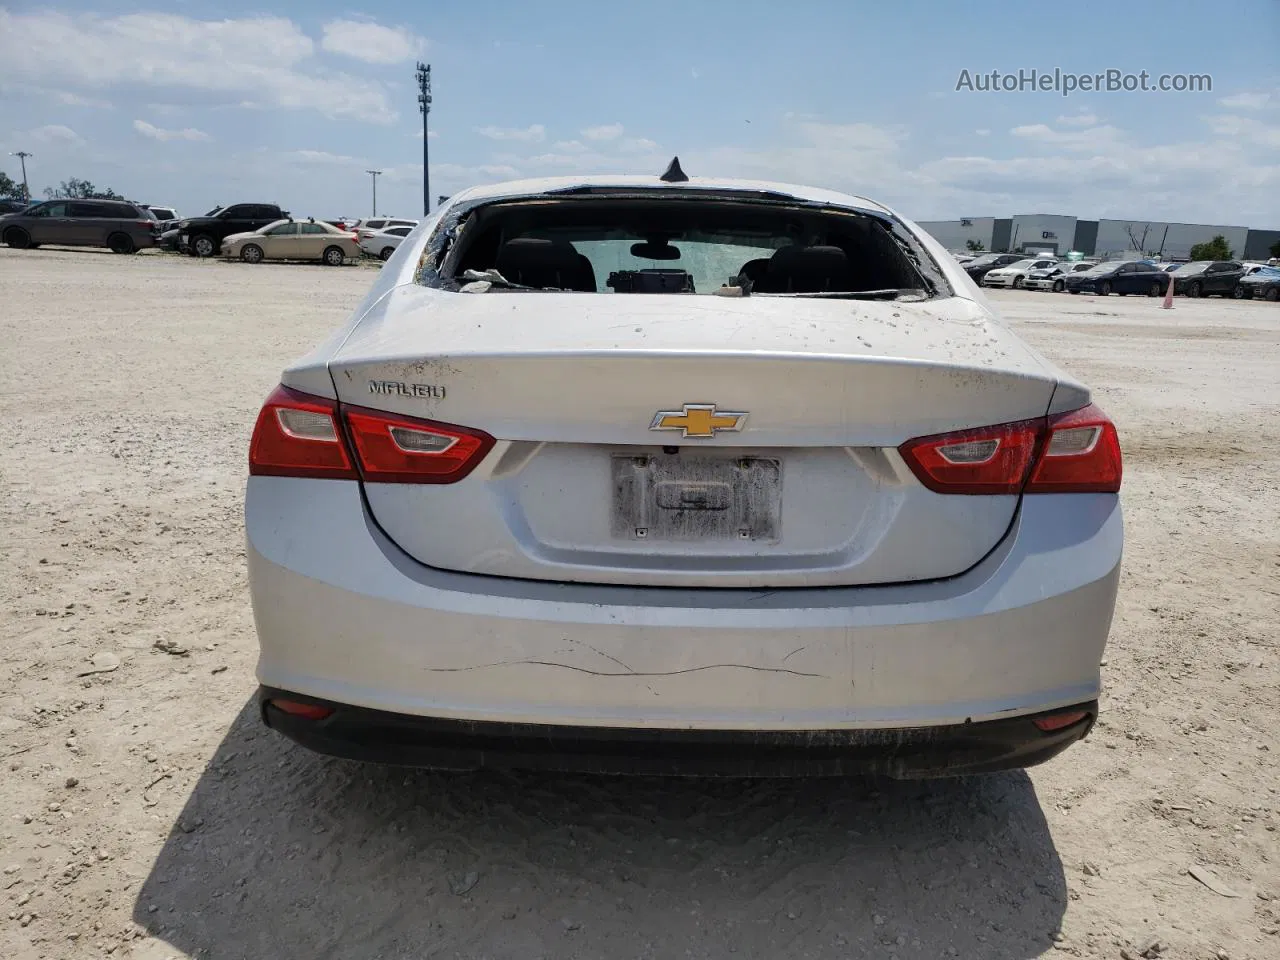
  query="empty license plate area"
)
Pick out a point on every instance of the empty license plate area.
point(680, 497)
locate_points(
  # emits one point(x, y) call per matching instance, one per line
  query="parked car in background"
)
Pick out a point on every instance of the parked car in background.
point(168, 240)
point(978, 268)
point(1120, 276)
point(443, 562)
point(203, 236)
point(1054, 277)
point(963, 258)
point(1205, 278)
point(168, 216)
point(293, 240)
point(1015, 273)
point(378, 224)
point(13, 206)
point(382, 243)
point(1262, 284)
point(119, 225)
point(1252, 266)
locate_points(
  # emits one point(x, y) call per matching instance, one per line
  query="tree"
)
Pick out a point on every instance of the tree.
point(1215, 249)
point(1137, 242)
point(8, 189)
point(974, 246)
point(1275, 249)
point(74, 189)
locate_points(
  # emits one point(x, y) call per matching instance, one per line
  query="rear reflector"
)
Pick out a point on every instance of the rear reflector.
point(1076, 452)
point(1057, 721)
point(394, 449)
point(297, 436)
point(308, 711)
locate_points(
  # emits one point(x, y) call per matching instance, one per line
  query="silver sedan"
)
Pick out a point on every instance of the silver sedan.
point(699, 476)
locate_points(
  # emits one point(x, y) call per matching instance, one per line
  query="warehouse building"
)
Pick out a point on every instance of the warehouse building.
point(1054, 233)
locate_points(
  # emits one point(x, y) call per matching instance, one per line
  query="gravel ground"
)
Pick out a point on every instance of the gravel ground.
point(145, 813)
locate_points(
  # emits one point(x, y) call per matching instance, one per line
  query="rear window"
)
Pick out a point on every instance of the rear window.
point(613, 245)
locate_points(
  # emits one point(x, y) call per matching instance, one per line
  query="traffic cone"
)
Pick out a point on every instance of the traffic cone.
point(1168, 295)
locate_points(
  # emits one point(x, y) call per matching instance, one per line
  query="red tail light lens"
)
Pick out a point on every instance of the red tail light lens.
point(1059, 721)
point(395, 449)
point(1076, 452)
point(1081, 455)
point(988, 460)
point(308, 711)
point(297, 435)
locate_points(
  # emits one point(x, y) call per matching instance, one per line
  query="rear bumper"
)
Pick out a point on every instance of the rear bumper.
point(343, 615)
point(357, 733)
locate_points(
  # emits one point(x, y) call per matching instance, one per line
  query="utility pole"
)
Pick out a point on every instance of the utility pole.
point(373, 175)
point(424, 105)
point(22, 157)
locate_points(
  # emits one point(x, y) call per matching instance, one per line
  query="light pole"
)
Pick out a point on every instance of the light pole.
point(424, 105)
point(373, 175)
point(22, 158)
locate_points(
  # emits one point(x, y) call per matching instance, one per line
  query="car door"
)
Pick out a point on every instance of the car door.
point(313, 241)
point(89, 222)
point(260, 215)
point(281, 242)
point(49, 222)
point(1226, 275)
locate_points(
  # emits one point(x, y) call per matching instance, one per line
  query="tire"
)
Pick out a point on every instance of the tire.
point(1155, 290)
point(203, 245)
point(386, 252)
point(251, 253)
point(1240, 293)
point(334, 257)
point(17, 238)
point(1105, 289)
point(1195, 289)
point(1017, 283)
point(1059, 286)
point(121, 243)
point(1272, 295)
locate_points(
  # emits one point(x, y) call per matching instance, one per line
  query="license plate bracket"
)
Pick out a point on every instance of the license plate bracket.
point(696, 498)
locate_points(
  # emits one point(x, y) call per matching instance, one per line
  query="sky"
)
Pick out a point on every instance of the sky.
point(293, 102)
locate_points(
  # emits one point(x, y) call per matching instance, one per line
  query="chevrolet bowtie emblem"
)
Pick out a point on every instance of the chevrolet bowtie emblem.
point(698, 420)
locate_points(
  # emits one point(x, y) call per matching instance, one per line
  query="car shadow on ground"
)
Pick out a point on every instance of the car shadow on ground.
point(281, 853)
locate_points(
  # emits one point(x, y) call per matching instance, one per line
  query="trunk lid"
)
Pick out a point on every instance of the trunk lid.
point(808, 490)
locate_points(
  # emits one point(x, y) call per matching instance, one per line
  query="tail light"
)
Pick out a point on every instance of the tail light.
point(300, 435)
point(297, 435)
point(1076, 452)
point(395, 449)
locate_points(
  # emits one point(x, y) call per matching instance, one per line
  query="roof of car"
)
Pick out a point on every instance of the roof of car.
point(543, 185)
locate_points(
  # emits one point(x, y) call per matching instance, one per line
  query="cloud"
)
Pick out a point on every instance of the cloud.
point(318, 156)
point(1224, 173)
point(1090, 138)
point(608, 131)
point(1246, 130)
point(982, 132)
point(535, 133)
point(568, 146)
point(371, 42)
point(1079, 120)
point(1249, 100)
point(637, 145)
point(253, 61)
point(54, 133)
point(156, 133)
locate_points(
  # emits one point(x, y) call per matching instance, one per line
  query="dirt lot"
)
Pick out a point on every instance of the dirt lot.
point(144, 812)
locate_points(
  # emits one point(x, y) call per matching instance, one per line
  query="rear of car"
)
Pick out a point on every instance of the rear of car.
point(714, 477)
